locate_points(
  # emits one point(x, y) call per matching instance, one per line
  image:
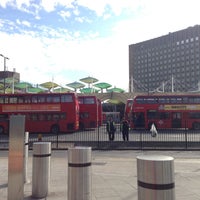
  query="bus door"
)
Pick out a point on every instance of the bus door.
point(176, 119)
point(139, 120)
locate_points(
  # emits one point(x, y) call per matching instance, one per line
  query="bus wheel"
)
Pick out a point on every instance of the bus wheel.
point(55, 129)
point(196, 126)
point(1, 130)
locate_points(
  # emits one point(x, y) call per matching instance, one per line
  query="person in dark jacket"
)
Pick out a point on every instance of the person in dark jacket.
point(125, 129)
point(110, 128)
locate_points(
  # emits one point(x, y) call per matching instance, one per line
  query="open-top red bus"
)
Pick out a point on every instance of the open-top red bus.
point(166, 111)
point(90, 112)
point(45, 112)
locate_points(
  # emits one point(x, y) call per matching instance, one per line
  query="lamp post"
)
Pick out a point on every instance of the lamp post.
point(4, 82)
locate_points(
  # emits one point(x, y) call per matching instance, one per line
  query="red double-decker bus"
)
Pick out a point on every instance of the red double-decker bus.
point(90, 112)
point(166, 111)
point(45, 112)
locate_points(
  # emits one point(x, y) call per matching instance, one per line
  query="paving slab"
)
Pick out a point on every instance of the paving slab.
point(114, 175)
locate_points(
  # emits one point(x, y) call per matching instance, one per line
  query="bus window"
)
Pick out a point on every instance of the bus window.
point(63, 116)
point(179, 100)
point(56, 99)
point(66, 98)
point(152, 100)
point(1, 99)
point(89, 101)
point(27, 99)
point(12, 99)
point(84, 115)
point(164, 115)
point(41, 117)
point(140, 100)
point(194, 115)
point(49, 99)
point(185, 99)
point(161, 100)
point(190, 100)
point(34, 117)
point(49, 117)
point(173, 100)
point(34, 99)
point(196, 100)
point(80, 100)
point(41, 99)
point(6, 100)
point(3, 117)
point(55, 116)
point(152, 114)
point(20, 99)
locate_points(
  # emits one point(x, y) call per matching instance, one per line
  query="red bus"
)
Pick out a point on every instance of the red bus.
point(90, 112)
point(45, 112)
point(166, 111)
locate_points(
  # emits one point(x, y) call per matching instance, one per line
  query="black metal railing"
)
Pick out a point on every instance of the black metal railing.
point(169, 139)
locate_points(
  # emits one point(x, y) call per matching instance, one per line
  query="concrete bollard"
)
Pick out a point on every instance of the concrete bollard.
point(155, 175)
point(16, 158)
point(41, 169)
point(79, 173)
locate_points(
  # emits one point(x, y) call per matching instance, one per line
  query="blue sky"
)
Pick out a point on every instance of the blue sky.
point(66, 40)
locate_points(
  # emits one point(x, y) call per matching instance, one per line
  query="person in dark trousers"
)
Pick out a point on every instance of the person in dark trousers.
point(110, 128)
point(125, 129)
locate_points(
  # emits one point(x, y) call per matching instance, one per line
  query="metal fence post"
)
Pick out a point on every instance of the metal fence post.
point(79, 173)
point(26, 139)
point(155, 177)
point(41, 169)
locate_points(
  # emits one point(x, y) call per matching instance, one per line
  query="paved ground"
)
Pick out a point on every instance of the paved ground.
point(114, 175)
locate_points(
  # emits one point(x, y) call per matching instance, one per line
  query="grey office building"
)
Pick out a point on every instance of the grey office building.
point(170, 63)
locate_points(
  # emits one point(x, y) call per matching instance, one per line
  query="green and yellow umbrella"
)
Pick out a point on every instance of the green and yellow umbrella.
point(49, 85)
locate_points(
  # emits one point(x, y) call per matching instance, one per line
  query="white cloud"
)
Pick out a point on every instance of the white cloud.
point(37, 59)
point(21, 3)
point(65, 55)
point(65, 14)
point(23, 22)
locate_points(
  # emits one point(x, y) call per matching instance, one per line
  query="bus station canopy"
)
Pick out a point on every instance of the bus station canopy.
point(89, 80)
point(22, 85)
point(62, 90)
point(76, 85)
point(102, 85)
point(49, 85)
point(35, 90)
point(115, 89)
point(88, 90)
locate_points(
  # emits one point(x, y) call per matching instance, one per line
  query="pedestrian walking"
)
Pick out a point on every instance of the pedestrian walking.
point(110, 128)
point(125, 129)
